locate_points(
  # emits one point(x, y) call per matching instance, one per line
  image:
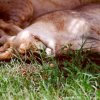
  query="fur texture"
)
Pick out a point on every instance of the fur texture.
point(69, 28)
point(20, 12)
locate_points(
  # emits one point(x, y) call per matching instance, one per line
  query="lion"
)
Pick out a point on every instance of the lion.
point(22, 13)
point(78, 28)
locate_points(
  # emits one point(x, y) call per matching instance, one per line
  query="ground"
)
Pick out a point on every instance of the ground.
point(77, 78)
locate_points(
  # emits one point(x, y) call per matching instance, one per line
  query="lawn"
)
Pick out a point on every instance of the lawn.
point(71, 77)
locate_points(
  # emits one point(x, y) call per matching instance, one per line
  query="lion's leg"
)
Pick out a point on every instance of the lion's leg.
point(7, 54)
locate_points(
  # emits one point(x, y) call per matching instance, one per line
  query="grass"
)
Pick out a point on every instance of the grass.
point(73, 78)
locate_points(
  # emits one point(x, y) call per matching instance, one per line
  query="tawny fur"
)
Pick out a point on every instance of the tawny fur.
point(44, 6)
point(7, 30)
point(22, 12)
point(58, 29)
point(16, 11)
